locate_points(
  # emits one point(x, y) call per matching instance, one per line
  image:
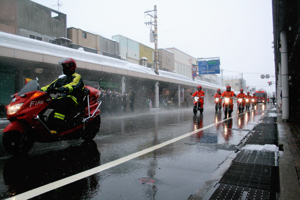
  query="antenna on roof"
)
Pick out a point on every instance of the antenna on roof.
point(58, 5)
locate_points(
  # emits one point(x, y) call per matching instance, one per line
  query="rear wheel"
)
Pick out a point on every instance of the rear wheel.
point(92, 129)
point(15, 142)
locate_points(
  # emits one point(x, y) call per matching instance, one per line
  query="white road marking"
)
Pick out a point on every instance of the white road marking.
point(60, 183)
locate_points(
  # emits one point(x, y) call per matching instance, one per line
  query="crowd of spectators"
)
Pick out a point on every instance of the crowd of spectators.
point(113, 101)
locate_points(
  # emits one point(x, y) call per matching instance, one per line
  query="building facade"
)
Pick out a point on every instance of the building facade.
point(182, 62)
point(235, 83)
point(166, 60)
point(129, 49)
point(83, 38)
point(32, 20)
point(93, 43)
point(148, 53)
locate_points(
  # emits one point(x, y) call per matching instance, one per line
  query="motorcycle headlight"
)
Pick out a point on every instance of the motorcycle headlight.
point(217, 99)
point(240, 100)
point(247, 100)
point(14, 108)
point(226, 100)
point(252, 100)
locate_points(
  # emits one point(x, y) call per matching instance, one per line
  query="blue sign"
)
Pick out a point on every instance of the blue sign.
point(209, 67)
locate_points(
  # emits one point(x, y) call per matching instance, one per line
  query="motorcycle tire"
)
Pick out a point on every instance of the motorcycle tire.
point(225, 112)
point(201, 111)
point(216, 108)
point(16, 143)
point(195, 111)
point(92, 129)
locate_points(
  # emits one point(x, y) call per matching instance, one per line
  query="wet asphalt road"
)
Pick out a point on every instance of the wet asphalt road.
point(182, 168)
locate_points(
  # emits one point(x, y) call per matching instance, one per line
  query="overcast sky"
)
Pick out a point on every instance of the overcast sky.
point(240, 32)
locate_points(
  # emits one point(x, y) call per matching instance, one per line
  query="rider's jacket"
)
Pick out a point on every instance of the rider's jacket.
point(73, 86)
point(228, 94)
point(217, 95)
point(199, 93)
point(248, 96)
point(241, 95)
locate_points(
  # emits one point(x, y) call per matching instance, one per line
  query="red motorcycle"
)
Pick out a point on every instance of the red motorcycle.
point(227, 104)
point(247, 103)
point(198, 105)
point(240, 105)
point(29, 113)
point(218, 102)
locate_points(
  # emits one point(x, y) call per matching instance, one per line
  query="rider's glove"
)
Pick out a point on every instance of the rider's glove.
point(51, 90)
point(61, 90)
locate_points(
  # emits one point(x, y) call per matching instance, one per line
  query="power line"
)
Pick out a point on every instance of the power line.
point(244, 72)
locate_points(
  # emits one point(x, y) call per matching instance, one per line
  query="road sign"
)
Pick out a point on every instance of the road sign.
point(267, 76)
point(194, 74)
point(209, 67)
point(262, 76)
point(194, 68)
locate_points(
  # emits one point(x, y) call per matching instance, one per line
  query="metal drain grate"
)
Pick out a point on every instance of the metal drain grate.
point(256, 157)
point(253, 176)
point(225, 191)
point(264, 134)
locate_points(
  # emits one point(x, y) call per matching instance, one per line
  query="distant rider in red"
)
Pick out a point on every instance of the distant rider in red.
point(199, 93)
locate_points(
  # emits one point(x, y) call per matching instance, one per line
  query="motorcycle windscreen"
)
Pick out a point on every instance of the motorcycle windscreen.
point(29, 87)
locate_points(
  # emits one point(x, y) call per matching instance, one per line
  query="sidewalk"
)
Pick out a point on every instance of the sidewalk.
point(267, 167)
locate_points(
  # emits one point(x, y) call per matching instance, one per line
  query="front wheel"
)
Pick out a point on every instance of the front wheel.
point(16, 143)
point(92, 129)
point(195, 110)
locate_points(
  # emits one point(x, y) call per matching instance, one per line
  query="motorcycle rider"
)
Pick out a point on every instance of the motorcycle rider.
point(228, 93)
point(241, 95)
point(199, 93)
point(248, 95)
point(71, 87)
point(219, 95)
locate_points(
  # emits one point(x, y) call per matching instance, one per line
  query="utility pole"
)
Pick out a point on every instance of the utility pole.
point(153, 14)
point(155, 39)
point(222, 77)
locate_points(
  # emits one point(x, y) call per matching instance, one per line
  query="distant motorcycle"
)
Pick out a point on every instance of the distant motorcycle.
point(253, 103)
point(29, 113)
point(227, 105)
point(218, 104)
point(240, 105)
point(197, 105)
point(247, 100)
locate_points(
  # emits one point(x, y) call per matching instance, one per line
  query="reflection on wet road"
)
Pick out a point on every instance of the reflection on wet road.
point(183, 154)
